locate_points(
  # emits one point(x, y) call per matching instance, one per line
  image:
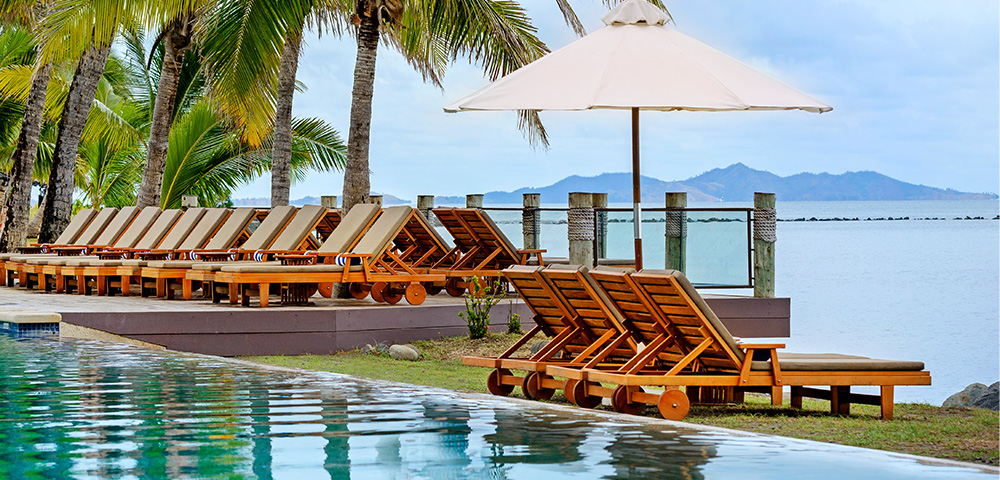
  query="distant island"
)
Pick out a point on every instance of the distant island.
point(735, 183)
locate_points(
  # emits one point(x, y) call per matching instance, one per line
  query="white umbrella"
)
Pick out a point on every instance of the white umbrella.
point(637, 62)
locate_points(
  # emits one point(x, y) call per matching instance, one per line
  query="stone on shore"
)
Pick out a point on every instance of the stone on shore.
point(989, 399)
point(404, 352)
point(966, 397)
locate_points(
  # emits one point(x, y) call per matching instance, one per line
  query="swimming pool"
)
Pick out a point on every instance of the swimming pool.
point(86, 409)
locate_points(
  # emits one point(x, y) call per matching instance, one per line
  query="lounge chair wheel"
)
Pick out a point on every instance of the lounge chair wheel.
point(494, 385)
point(532, 387)
point(580, 397)
point(673, 405)
point(621, 403)
point(455, 286)
point(377, 291)
point(356, 290)
point(433, 289)
point(415, 294)
point(391, 294)
point(326, 290)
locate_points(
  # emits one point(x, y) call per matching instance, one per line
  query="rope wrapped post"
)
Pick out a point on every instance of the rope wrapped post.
point(675, 231)
point(530, 220)
point(765, 221)
point(600, 226)
point(474, 200)
point(580, 229)
point(328, 201)
point(425, 203)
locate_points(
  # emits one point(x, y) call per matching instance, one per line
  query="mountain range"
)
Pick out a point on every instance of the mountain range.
point(737, 183)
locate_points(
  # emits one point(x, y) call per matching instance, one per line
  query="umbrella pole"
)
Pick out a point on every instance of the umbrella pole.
point(636, 193)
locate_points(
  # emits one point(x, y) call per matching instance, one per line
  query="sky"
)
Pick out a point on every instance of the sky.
point(914, 85)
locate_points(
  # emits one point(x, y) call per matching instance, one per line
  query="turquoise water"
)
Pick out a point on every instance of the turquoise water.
point(76, 409)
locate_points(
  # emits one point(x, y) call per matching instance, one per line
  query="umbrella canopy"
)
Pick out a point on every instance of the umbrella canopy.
point(637, 62)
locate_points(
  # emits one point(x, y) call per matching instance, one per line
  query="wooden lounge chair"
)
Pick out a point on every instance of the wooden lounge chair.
point(165, 273)
point(74, 232)
point(30, 268)
point(687, 345)
point(569, 307)
point(170, 228)
point(374, 260)
point(295, 236)
point(481, 248)
point(67, 269)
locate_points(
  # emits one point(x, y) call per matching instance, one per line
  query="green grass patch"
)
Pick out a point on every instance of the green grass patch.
point(964, 434)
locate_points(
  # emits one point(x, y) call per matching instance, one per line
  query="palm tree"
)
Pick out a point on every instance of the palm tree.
point(497, 34)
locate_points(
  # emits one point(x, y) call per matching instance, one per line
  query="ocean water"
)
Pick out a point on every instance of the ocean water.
point(916, 289)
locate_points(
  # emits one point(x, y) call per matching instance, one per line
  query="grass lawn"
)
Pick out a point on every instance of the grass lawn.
point(954, 433)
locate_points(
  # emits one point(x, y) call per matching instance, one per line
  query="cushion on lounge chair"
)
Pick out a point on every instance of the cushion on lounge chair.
point(229, 232)
point(265, 233)
point(180, 264)
point(267, 267)
point(815, 362)
point(76, 226)
point(116, 226)
point(352, 225)
point(511, 249)
point(384, 229)
point(298, 228)
point(183, 226)
point(152, 236)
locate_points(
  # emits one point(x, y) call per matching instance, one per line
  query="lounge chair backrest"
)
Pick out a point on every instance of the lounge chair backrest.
point(549, 313)
point(678, 301)
point(450, 220)
point(350, 228)
point(511, 250)
point(300, 227)
point(145, 219)
point(573, 286)
point(265, 233)
point(181, 229)
point(381, 233)
point(151, 238)
point(421, 240)
point(117, 225)
point(229, 232)
point(76, 226)
point(96, 226)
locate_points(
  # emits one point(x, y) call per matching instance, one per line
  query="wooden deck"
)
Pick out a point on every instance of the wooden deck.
point(328, 326)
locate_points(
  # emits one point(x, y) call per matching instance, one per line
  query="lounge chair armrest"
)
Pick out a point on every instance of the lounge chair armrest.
point(532, 250)
point(296, 259)
point(761, 346)
point(154, 254)
point(33, 249)
point(214, 255)
point(112, 253)
point(356, 255)
point(70, 251)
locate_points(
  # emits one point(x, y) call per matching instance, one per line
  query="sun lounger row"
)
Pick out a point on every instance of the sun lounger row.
point(633, 330)
point(389, 254)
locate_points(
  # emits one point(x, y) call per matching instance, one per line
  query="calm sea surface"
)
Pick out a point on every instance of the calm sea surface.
point(912, 289)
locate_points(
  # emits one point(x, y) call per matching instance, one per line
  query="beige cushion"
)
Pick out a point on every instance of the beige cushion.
point(163, 224)
point(504, 241)
point(139, 226)
point(229, 232)
point(185, 264)
point(182, 227)
point(264, 235)
point(207, 224)
point(116, 226)
point(216, 266)
point(299, 228)
point(96, 226)
point(76, 226)
point(384, 229)
point(816, 362)
point(259, 267)
point(352, 225)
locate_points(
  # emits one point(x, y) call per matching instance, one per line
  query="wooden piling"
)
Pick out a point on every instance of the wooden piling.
point(425, 203)
point(764, 237)
point(474, 200)
point(189, 201)
point(600, 200)
point(675, 232)
point(328, 201)
point(376, 199)
point(580, 229)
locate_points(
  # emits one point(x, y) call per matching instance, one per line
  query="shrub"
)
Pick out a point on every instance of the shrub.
point(513, 320)
point(478, 301)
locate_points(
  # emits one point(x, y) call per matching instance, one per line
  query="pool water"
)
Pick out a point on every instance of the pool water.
point(86, 409)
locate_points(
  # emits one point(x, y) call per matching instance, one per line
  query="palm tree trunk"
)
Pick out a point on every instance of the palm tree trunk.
point(175, 42)
point(35, 225)
point(59, 196)
point(281, 150)
point(18, 198)
point(357, 185)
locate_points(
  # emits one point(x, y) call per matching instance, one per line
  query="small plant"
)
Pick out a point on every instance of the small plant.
point(513, 320)
point(482, 296)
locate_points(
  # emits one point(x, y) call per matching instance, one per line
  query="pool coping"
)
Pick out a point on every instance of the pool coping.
point(653, 421)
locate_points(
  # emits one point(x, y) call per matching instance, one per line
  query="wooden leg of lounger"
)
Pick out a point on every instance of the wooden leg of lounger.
point(264, 293)
point(60, 284)
point(840, 403)
point(796, 397)
point(235, 294)
point(126, 284)
point(887, 402)
point(81, 285)
point(161, 288)
point(186, 289)
point(776, 393)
